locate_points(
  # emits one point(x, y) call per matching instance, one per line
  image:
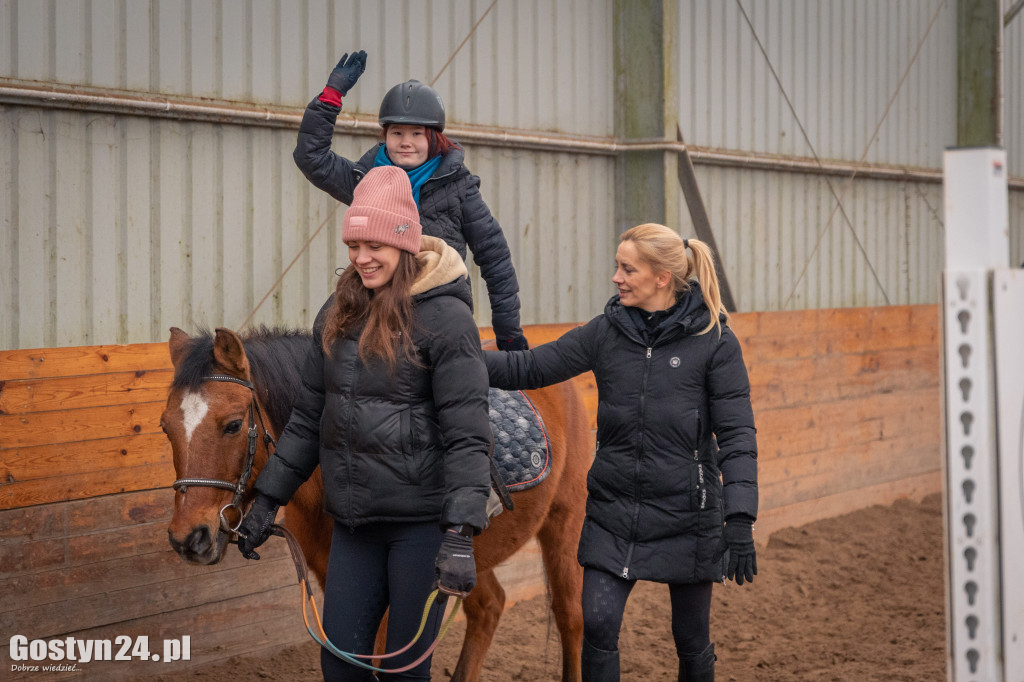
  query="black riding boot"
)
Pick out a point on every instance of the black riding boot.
point(599, 665)
point(699, 669)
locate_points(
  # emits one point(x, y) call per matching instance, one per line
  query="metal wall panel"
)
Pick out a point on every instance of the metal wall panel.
point(117, 228)
point(784, 247)
point(1013, 98)
point(840, 65)
point(534, 65)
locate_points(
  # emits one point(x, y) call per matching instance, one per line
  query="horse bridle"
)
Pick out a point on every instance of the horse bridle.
point(183, 484)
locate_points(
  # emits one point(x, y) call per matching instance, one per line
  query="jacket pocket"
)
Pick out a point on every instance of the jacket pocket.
point(412, 472)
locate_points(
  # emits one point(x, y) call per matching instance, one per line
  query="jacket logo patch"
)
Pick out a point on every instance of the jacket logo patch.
point(674, 362)
point(401, 229)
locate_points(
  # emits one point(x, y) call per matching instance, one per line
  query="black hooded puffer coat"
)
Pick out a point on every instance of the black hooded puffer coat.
point(451, 208)
point(410, 446)
point(661, 486)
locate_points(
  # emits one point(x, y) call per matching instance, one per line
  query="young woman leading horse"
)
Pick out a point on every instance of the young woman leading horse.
point(375, 535)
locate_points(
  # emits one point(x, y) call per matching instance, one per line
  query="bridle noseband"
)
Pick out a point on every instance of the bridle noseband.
point(183, 484)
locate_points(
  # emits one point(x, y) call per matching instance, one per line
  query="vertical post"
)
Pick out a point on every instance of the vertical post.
point(1007, 304)
point(647, 108)
point(979, 73)
point(977, 214)
point(639, 114)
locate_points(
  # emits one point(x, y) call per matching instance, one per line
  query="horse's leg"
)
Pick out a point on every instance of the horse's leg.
point(561, 531)
point(483, 607)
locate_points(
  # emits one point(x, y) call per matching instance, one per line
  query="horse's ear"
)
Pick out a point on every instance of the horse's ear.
point(177, 344)
point(229, 353)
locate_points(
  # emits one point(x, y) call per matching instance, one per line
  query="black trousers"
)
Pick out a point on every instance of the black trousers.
point(604, 601)
point(373, 568)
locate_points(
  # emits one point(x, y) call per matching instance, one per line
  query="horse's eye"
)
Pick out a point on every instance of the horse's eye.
point(233, 427)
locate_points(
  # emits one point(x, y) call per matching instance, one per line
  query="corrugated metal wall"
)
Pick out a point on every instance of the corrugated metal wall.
point(872, 81)
point(1013, 127)
point(116, 227)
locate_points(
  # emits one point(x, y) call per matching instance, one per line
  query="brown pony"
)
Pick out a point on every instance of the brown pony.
point(207, 421)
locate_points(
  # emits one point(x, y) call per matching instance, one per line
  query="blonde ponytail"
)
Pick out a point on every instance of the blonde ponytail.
point(703, 262)
point(664, 250)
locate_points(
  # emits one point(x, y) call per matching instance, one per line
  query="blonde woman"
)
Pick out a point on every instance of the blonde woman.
point(673, 488)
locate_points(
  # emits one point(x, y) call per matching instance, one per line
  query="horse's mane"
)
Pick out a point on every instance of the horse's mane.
point(275, 355)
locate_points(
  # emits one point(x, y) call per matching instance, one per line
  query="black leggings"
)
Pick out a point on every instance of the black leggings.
point(604, 601)
point(377, 566)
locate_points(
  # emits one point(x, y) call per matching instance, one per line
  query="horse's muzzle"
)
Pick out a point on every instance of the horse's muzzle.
point(199, 546)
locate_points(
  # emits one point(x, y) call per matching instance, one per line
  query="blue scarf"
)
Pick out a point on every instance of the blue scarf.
point(417, 176)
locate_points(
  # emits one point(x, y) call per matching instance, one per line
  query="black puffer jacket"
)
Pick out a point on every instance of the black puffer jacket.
point(412, 446)
point(656, 501)
point(451, 208)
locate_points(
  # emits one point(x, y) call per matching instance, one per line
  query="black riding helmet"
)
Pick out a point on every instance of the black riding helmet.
point(412, 103)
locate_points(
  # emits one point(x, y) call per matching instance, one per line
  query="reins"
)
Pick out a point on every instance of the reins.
point(320, 637)
point(301, 568)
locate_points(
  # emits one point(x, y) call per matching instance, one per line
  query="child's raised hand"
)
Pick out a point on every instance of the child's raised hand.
point(347, 72)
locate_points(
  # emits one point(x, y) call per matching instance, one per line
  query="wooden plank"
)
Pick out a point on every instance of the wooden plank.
point(128, 541)
point(90, 390)
point(118, 511)
point(257, 623)
point(786, 515)
point(32, 523)
point(40, 555)
point(83, 485)
point(854, 377)
point(37, 363)
point(59, 426)
point(810, 428)
point(875, 455)
point(849, 474)
point(121, 603)
point(81, 457)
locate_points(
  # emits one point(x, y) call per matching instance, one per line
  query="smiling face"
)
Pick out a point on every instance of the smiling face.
point(376, 263)
point(638, 284)
point(407, 145)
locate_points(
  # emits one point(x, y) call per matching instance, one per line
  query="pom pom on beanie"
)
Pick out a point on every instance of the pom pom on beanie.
point(384, 211)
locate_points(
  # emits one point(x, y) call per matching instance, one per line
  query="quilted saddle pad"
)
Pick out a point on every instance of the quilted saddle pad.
point(521, 450)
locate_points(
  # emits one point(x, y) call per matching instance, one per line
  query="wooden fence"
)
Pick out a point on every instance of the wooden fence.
point(846, 402)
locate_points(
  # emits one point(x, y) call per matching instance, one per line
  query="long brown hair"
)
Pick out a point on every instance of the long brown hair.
point(439, 144)
point(664, 250)
point(387, 313)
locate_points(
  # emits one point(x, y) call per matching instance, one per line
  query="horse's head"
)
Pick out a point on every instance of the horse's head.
point(217, 437)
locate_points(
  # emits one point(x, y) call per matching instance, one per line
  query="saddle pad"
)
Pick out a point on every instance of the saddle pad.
point(521, 450)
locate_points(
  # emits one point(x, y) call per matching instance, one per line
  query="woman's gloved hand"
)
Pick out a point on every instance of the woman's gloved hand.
point(739, 537)
point(347, 72)
point(255, 527)
point(455, 566)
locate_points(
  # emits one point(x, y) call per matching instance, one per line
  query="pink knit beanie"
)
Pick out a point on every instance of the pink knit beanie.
point(384, 211)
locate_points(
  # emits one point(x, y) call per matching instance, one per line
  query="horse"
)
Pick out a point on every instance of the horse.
point(223, 386)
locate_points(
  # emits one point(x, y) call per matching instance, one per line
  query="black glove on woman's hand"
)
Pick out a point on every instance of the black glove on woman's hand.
point(455, 567)
point(347, 72)
point(739, 537)
point(515, 343)
point(255, 527)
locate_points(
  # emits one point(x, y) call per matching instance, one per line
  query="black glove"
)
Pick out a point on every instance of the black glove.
point(255, 528)
point(455, 567)
point(739, 538)
point(347, 72)
point(517, 342)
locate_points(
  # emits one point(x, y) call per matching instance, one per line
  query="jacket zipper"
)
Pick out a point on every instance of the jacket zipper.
point(636, 465)
point(348, 455)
